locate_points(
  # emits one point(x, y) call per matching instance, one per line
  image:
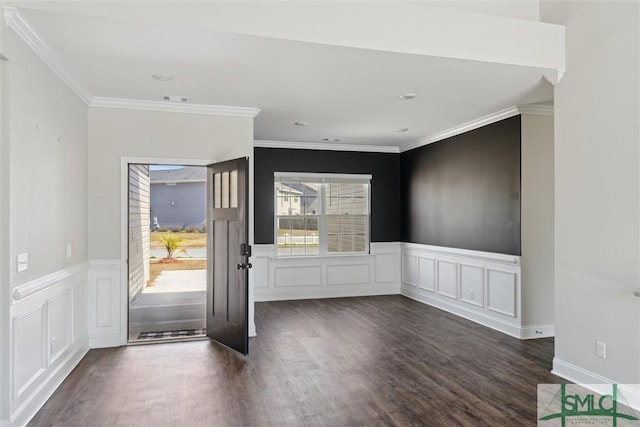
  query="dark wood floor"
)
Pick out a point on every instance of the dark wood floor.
point(353, 361)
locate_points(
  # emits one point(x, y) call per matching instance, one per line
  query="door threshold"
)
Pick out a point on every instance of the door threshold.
point(167, 340)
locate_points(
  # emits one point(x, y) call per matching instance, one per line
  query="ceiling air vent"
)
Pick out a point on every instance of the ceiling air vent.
point(175, 98)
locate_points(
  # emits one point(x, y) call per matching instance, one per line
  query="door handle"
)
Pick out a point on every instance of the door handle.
point(637, 293)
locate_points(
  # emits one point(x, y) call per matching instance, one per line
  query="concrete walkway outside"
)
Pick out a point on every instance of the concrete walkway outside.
point(179, 281)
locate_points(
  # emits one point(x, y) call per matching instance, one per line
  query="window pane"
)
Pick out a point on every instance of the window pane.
point(298, 235)
point(225, 190)
point(233, 191)
point(298, 215)
point(216, 190)
point(346, 233)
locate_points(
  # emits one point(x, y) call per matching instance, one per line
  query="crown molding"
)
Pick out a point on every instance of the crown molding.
point(19, 25)
point(536, 109)
point(465, 127)
point(171, 107)
point(325, 146)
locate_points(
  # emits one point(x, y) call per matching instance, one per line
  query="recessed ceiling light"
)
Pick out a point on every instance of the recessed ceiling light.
point(407, 95)
point(175, 98)
point(162, 77)
point(301, 123)
point(401, 129)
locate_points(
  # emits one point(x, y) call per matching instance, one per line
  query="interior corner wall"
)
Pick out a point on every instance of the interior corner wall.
point(537, 223)
point(118, 133)
point(43, 214)
point(4, 235)
point(464, 191)
point(597, 191)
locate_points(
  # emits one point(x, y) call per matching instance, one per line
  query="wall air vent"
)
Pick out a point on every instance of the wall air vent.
point(175, 98)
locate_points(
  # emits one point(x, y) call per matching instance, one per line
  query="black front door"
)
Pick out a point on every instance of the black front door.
point(229, 251)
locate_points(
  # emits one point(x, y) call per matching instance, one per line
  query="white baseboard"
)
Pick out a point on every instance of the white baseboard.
point(22, 415)
point(341, 292)
point(252, 330)
point(537, 331)
point(424, 298)
point(590, 380)
point(576, 374)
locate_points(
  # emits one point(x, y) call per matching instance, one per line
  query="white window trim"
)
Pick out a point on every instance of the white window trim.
point(322, 178)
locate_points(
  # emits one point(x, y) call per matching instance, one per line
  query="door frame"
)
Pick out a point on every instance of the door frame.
point(124, 230)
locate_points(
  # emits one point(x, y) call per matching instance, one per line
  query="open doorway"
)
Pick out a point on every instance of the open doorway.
point(167, 254)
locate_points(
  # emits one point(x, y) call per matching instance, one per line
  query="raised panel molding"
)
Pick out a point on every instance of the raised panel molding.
point(29, 355)
point(48, 337)
point(427, 273)
point(386, 268)
point(447, 278)
point(104, 304)
point(281, 278)
point(298, 276)
point(472, 284)
point(480, 286)
point(350, 274)
point(409, 269)
point(501, 292)
point(60, 321)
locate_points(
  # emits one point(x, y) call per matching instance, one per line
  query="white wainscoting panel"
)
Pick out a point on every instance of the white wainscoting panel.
point(285, 276)
point(480, 286)
point(104, 303)
point(409, 269)
point(350, 274)
point(279, 278)
point(48, 337)
point(60, 324)
point(472, 284)
point(502, 291)
point(29, 348)
point(427, 273)
point(386, 267)
point(448, 278)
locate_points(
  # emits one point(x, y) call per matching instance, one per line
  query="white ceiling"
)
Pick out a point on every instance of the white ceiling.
point(342, 92)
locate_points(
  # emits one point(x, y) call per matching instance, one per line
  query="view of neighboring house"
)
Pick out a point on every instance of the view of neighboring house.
point(178, 198)
point(296, 199)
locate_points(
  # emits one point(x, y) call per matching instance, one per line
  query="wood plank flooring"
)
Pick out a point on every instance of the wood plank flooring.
point(352, 361)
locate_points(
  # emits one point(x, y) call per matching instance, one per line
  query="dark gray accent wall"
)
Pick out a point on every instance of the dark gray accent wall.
point(385, 184)
point(464, 191)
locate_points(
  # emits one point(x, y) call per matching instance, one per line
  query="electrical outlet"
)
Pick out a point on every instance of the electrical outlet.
point(69, 250)
point(601, 349)
point(22, 262)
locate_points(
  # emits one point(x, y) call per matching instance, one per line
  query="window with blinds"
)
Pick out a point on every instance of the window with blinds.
point(321, 214)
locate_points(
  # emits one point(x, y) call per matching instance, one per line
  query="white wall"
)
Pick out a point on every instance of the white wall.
point(537, 219)
point(114, 134)
point(597, 191)
point(520, 9)
point(118, 135)
point(4, 235)
point(44, 195)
